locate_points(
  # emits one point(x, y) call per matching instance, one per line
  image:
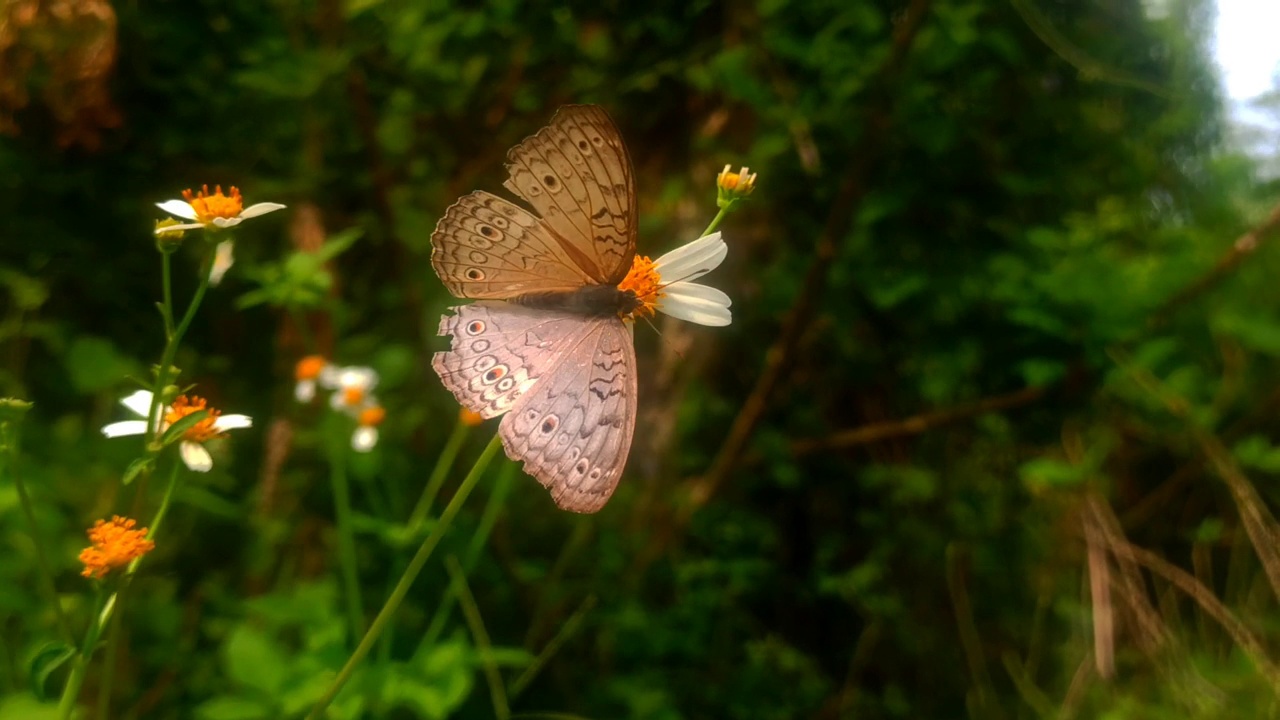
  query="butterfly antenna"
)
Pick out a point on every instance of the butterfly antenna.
point(674, 349)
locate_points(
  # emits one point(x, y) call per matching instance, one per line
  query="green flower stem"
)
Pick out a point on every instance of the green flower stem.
point(487, 520)
point(444, 464)
point(172, 338)
point(71, 691)
point(166, 285)
point(103, 613)
point(9, 447)
point(497, 692)
point(346, 536)
point(715, 222)
point(419, 560)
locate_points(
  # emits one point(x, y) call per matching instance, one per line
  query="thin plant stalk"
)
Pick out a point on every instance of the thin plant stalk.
point(383, 620)
point(71, 691)
point(715, 221)
point(497, 692)
point(549, 650)
point(487, 520)
point(173, 336)
point(438, 474)
point(346, 536)
point(9, 447)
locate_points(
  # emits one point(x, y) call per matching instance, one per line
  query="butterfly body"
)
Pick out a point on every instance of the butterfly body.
point(589, 301)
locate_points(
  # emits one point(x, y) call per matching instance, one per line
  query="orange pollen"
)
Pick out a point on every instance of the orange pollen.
point(470, 418)
point(645, 282)
point(729, 181)
point(309, 367)
point(201, 431)
point(352, 395)
point(372, 416)
point(115, 544)
point(207, 207)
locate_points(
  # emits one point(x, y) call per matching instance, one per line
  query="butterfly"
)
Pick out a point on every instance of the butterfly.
point(550, 342)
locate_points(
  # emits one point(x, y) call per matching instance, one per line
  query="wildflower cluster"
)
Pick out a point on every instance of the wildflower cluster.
point(352, 394)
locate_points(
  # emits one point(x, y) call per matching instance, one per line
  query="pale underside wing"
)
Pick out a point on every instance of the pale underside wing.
point(577, 175)
point(486, 247)
point(568, 381)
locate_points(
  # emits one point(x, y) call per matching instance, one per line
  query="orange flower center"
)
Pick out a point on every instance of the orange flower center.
point(352, 395)
point(308, 368)
point(729, 180)
point(203, 430)
point(372, 416)
point(115, 544)
point(645, 283)
point(217, 205)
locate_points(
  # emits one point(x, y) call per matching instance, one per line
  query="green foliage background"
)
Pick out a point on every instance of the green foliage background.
point(996, 218)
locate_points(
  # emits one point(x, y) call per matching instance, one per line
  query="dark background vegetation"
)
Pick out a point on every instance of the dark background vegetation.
point(991, 435)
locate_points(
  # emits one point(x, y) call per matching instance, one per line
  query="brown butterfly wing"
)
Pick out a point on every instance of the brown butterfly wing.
point(485, 247)
point(577, 174)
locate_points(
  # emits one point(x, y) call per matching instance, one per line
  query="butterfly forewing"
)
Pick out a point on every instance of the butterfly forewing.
point(573, 428)
point(577, 174)
point(486, 247)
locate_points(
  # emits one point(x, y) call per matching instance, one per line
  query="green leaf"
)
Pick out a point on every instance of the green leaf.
point(1257, 452)
point(25, 707)
point(1046, 473)
point(48, 658)
point(95, 364)
point(136, 468)
point(185, 423)
point(255, 660)
point(231, 707)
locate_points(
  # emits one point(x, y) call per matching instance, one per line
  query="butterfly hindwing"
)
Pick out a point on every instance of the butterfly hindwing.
point(573, 428)
point(499, 351)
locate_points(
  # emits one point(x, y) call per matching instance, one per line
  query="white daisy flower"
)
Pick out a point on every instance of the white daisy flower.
point(664, 284)
point(307, 372)
point(365, 436)
point(191, 446)
point(216, 210)
point(352, 387)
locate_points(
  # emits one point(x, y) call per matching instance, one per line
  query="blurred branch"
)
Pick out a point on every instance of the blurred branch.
point(848, 200)
point(1090, 68)
point(1244, 246)
point(917, 424)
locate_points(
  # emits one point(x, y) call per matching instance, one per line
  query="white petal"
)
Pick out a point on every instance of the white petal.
point(125, 427)
point(329, 376)
point(227, 222)
point(693, 260)
point(181, 208)
point(232, 422)
point(358, 377)
point(259, 209)
point(139, 402)
point(305, 391)
point(697, 304)
point(174, 228)
point(364, 438)
point(223, 258)
point(195, 456)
